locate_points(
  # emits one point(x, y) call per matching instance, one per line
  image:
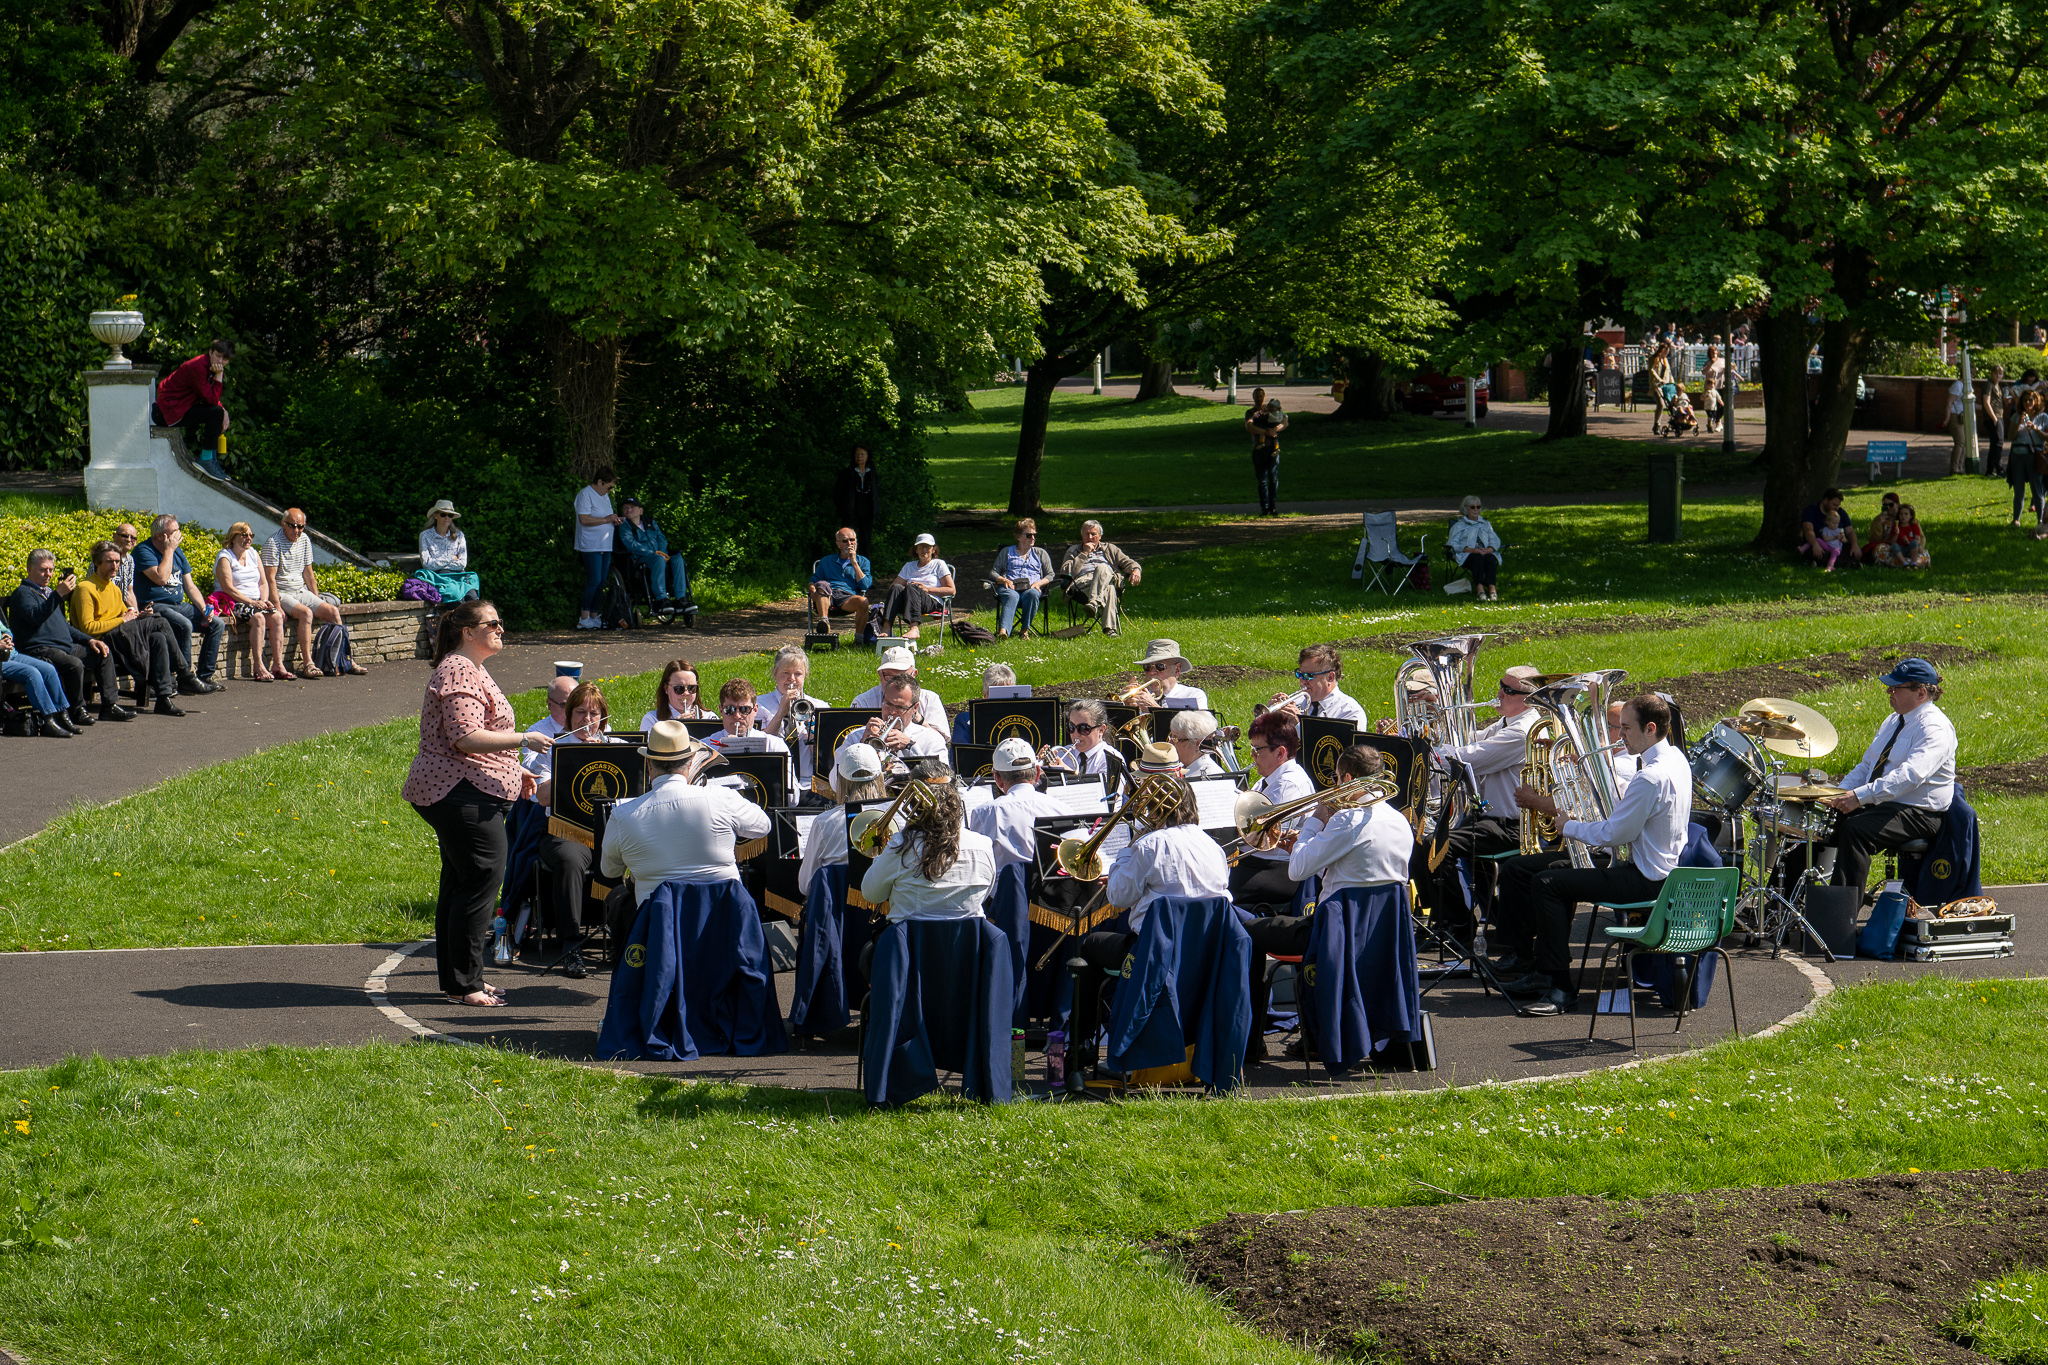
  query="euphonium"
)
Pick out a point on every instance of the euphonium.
point(1571, 714)
point(871, 830)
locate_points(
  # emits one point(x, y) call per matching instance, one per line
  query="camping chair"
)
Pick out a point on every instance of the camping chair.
point(1693, 912)
point(1379, 550)
point(1060, 584)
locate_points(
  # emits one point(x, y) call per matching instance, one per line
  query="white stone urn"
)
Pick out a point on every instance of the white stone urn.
point(116, 327)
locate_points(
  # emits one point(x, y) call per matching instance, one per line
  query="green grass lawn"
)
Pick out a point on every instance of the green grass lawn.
point(438, 1204)
point(1112, 452)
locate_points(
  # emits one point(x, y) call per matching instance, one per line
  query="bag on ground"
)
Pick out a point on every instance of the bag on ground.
point(969, 634)
point(330, 649)
point(615, 609)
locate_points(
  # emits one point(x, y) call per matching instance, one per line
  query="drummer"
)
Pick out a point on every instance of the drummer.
point(1902, 789)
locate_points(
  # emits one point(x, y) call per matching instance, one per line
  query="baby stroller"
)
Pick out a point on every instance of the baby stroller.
point(1680, 419)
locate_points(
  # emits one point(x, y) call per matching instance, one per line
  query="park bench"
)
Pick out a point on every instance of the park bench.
point(1878, 454)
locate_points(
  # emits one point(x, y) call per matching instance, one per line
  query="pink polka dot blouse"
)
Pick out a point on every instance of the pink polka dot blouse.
point(461, 699)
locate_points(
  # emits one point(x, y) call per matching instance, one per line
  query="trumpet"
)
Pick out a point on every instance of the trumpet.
point(1142, 688)
point(1297, 701)
point(1152, 803)
point(803, 713)
point(1258, 819)
point(871, 830)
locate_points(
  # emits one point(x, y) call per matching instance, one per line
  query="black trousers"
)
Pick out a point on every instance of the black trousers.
point(1558, 891)
point(1285, 935)
point(202, 426)
point(74, 665)
point(1261, 881)
point(1485, 569)
point(471, 828)
point(908, 602)
point(1864, 832)
point(1473, 839)
point(565, 863)
point(1104, 951)
point(143, 649)
point(1514, 900)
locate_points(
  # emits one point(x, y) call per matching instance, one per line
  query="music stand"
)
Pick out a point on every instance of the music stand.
point(975, 762)
point(1035, 720)
point(703, 729)
point(780, 891)
point(585, 774)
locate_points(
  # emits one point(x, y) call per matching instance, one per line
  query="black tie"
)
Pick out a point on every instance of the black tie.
point(1315, 708)
point(1886, 752)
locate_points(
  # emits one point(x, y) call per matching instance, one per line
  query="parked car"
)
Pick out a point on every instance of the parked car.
point(1426, 394)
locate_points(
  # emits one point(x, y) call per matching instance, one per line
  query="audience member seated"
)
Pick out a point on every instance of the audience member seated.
point(1815, 545)
point(293, 586)
point(668, 581)
point(238, 593)
point(141, 644)
point(444, 556)
point(43, 630)
point(1091, 754)
point(190, 397)
point(1476, 546)
point(1162, 667)
point(164, 587)
point(992, 677)
point(565, 863)
point(1100, 572)
point(1189, 734)
point(1020, 576)
point(900, 662)
point(676, 696)
point(45, 689)
point(1907, 548)
point(897, 734)
point(920, 587)
point(1881, 527)
point(840, 582)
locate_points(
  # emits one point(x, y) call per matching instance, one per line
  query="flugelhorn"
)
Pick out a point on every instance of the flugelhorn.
point(1258, 819)
point(1141, 688)
point(871, 830)
point(1151, 803)
point(1296, 700)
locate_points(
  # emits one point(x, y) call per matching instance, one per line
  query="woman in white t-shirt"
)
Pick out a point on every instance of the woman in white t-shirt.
point(238, 593)
point(920, 585)
point(594, 522)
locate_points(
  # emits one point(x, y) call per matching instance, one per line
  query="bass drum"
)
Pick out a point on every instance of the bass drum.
point(1727, 768)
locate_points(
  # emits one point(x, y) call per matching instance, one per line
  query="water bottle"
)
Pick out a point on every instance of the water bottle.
point(1017, 1077)
point(501, 953)
point(1056, 1059)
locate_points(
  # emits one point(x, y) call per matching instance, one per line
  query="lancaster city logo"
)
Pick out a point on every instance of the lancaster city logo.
point(1322, 760)
point(636, 955)
point(749, 786)
point(1942, 869)
point(1016, 727)
point(597, 780)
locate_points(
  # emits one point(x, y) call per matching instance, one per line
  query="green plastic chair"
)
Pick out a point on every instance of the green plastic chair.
point(1693, 912)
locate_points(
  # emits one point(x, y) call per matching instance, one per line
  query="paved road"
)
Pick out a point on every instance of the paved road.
point(153, 1001)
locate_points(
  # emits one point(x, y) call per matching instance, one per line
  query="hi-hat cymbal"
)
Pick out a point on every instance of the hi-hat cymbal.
point(1819, 740)
point(1767, 727)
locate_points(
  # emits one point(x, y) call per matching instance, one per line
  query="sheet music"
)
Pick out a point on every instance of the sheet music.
point(1215, 802)
point(1081, 798)
point(1116, 844)
point(753, 742)
point(975, 797)
point(804, 821)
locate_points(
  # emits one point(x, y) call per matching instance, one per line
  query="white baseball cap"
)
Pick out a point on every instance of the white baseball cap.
point(1015, 756)
point(897, 659)
point(925, 539)
point(860, 763)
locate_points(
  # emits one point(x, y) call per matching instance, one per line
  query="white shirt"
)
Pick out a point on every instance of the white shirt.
point(930, 710)
point(448, 554)
point(925, 575)
point(923, 744)
point(1336, 706)
point(246, 572)
point(957, 894)
point(1650, 817)
point(540, 764)
point(647, 721)
point(770, 704)
point(1495, 756)
point(1205, 765)
point(591, 503)
point(1179, 860)
point(825, 848)
point(678, 832)
point(1369, 847)
point(1181, 697)
point(1920, 771)
point(1957, 398)
point(1474, 533)
point(1289, 782)
point(1099, 761)
point(1009, 822)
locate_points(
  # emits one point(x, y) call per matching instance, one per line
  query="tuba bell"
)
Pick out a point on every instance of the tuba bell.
point(1566, 758)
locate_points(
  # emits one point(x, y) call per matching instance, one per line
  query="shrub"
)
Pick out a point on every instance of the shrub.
point(72, 534)
point(2016, 359)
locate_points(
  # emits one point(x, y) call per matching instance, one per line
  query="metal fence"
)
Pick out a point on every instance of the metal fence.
point(1688, 363)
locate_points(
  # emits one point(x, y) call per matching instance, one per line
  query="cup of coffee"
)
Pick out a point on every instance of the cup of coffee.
point(569, 668)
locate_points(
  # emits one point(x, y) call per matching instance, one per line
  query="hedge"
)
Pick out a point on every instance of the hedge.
point(72, 534)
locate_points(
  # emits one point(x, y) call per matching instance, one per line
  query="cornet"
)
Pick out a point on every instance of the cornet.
point(1297, 701)
point(1144, 688)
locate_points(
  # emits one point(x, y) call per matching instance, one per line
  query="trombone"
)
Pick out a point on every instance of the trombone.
point(871, 830)
point(1258, 819)
point(1151, 803)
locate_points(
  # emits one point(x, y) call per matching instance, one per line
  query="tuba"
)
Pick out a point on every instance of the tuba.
point(1566, 758)
point(1449, 664)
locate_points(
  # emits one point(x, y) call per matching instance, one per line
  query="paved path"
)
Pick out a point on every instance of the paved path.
point(149, 1002)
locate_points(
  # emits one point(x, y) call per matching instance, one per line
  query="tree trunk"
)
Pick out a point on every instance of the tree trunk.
point(1567, 392)
point(1806, 417)
point(1368, 388)
point(1155, 380)
point(1039, 381)
point(586, 376)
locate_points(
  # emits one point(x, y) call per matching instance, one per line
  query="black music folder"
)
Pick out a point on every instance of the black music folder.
point(762, 778)
point(586, 774)
point(1408, 760)
point(1035, 720)
point(1322, 739)
point(833, 723)
point(975, 762)
point(703, 729)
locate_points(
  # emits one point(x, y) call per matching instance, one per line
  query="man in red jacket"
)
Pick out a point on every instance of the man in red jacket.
point(190, 398)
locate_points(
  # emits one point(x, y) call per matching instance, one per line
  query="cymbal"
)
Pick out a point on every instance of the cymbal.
point(1811, 792)
point(1765, 727)
point(1820, 738)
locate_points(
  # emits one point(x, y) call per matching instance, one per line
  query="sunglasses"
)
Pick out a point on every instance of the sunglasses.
point(493, 624)
point(1507, 691)
point(736, 710)
point(295, 526)
point(1157, 668)
point(1264, 748)
point(1083, 728)
point(1311, 677)
point(1028, 535)
point(682, 687)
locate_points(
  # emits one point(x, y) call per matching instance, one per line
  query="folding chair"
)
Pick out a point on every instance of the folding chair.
point(1379, 550)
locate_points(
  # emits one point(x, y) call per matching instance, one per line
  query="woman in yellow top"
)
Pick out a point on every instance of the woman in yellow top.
point(142, 645)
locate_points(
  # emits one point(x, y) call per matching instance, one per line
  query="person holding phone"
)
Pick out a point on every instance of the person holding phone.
point(42, 629)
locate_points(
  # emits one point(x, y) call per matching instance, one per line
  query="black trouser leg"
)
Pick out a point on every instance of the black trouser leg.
point(1104, 951)
point(566, 863)
point(1473, 839)
point(1485, 569)
point(70, 666)
point(1261, 881)
point(470, 827)
point(1514, 901)
point(1558, 892)
point(1864, 832)
point(203, 424)
point(1286, 935)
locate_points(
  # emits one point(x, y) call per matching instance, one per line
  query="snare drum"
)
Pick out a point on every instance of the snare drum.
point(1799, 820)
point(1727, 767)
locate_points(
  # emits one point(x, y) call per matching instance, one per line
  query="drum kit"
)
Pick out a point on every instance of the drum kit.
point(1740, 769)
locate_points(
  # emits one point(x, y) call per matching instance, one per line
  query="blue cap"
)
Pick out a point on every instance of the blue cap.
point(1912, 673)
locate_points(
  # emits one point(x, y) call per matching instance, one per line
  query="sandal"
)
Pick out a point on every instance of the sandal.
point(266, 677)
point(308, 671)
point(285, 675)
point(482, 1000)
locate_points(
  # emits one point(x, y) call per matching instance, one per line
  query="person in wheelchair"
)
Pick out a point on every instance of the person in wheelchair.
point(668, 581)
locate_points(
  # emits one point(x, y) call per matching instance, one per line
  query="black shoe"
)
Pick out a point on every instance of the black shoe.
point(1255, 1050)
point(1553, 1001)
point(44, 725)
point(1535, 983)
point(574, 968)
point(1513, 966)
point(79, 717)
point(1302, 1050)
point(116, 711)
point(57, 720)
point(192, 685)
point(165, 706)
